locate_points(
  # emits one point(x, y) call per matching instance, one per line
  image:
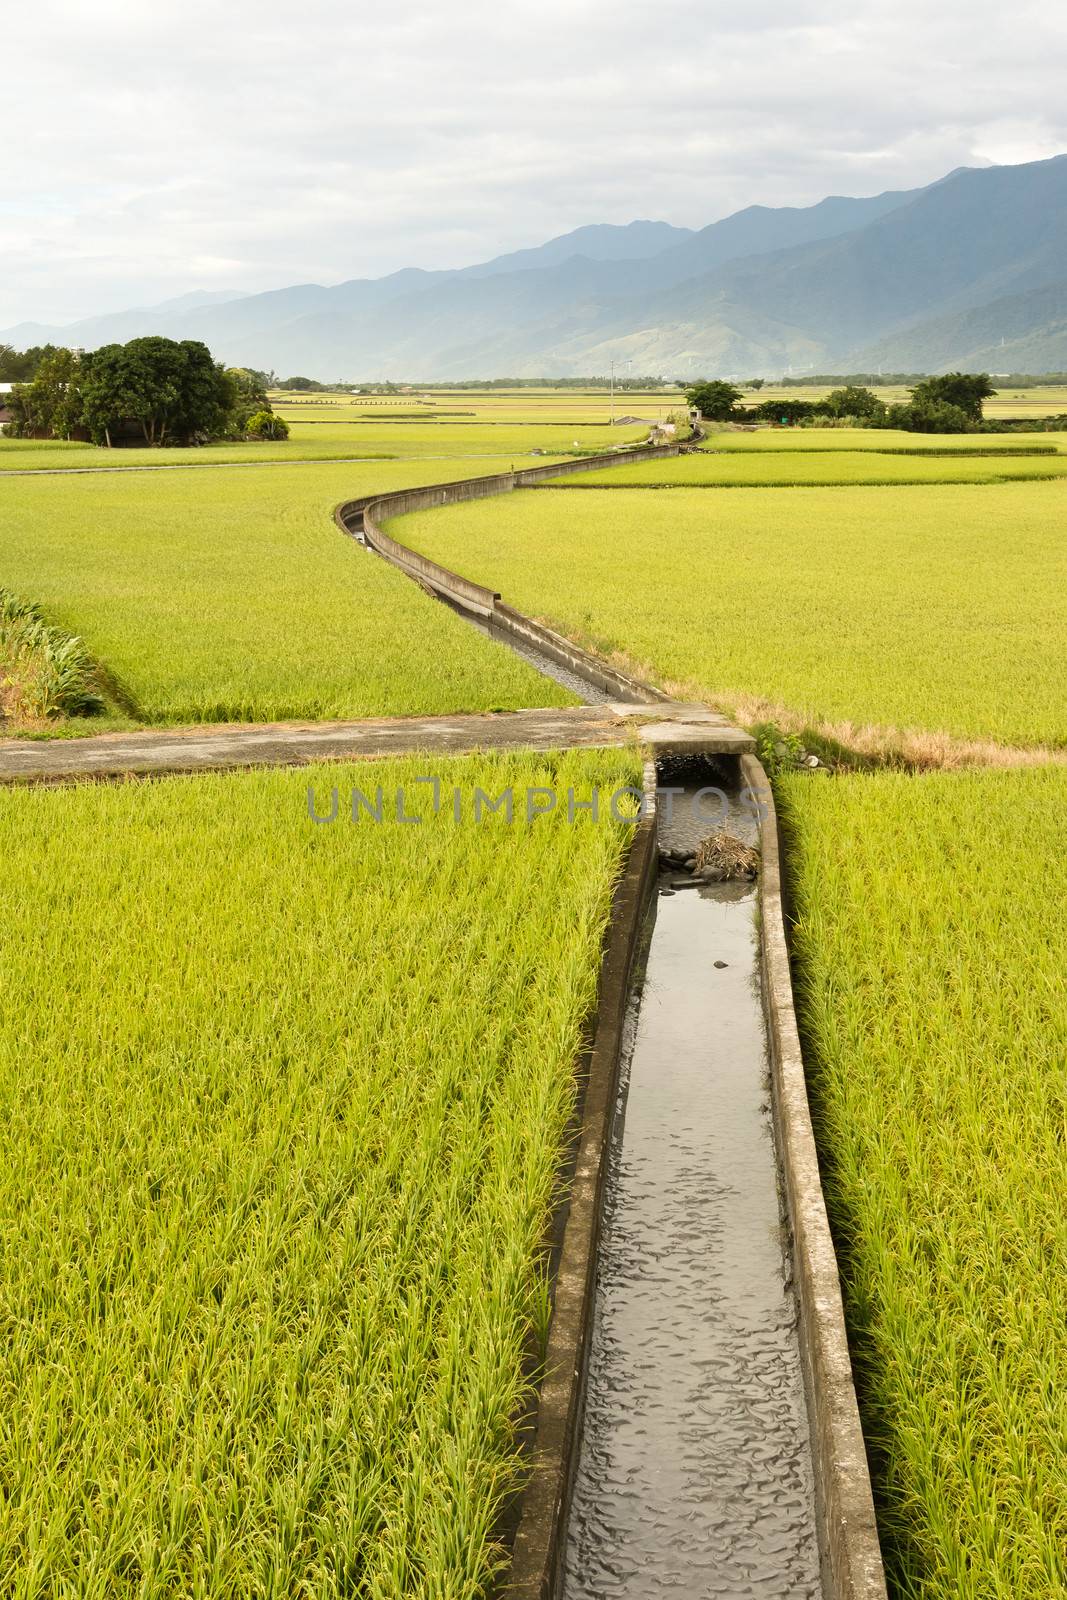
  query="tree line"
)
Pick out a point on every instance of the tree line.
point(152, 391)
point(949, 403)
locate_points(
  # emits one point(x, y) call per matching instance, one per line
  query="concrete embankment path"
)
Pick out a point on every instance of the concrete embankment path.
point(666, 726)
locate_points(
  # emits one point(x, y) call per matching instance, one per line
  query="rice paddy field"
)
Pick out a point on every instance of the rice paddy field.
point(232, 596)
point(941, 609)
point(337, 439)
point(879, 440)
point(533, 407)
point(930, 942)
point(782, 469)
point(593, 404)
point(931, 948)
point(278, 1167)
point(281, 1154)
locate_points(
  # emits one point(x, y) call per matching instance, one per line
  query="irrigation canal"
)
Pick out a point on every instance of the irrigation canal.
point(694, 1474)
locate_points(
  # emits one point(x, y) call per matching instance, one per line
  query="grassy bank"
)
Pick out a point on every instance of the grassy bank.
point(231, 596)
point(931, 946)
point(936, 608)
point(278, 1163)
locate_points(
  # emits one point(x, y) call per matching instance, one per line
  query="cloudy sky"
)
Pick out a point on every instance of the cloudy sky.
point(151, 149)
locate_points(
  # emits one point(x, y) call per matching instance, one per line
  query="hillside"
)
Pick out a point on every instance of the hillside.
point(968, 271)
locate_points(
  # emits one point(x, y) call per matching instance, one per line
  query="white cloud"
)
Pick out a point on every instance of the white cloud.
point(154, 149)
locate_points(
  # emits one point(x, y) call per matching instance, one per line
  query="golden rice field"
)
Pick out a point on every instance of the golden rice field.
point(930, 944)
point(337, 440)
point(280, 1157)
point(879, 440)
point(783, 469)
point(941, 609)
point(278, 1168)
point(231, 596)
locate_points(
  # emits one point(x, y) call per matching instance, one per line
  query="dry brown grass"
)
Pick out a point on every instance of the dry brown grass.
point(918, 748)
point(727, 854)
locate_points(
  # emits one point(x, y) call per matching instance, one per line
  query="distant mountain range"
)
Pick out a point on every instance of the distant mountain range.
point(970, 272)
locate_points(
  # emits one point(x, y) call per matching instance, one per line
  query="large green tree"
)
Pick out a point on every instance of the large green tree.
point(174, 392)
point(20, 366)
point(714, 399)
point(966, 390)
point(51, 405)
point(854, 401)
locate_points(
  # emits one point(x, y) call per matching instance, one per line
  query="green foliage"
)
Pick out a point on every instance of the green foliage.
point(854, 401)
point(715, 400)
point(265, 425)
point(21, 366)
point(247, 397)
point(778, 751)
point(930, 416)
point(951, 403)
point(784, 410)
point(165, 392)
point(44, 673)
point(374, 439)
point(52, 403)
point(930, 944)
point(173, 392)
point(307, 385)
point(284, 1107)
point(966, 390)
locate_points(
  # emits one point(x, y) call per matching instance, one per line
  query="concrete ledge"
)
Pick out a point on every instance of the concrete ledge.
point(538, 1545)
point(506, 620)
point(292, 744)
point(848, 1533)
point(366, 515)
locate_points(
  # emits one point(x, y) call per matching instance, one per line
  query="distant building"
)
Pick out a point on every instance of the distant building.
point(5, 409)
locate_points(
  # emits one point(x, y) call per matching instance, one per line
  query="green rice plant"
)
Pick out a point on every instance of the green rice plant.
point(336, 439)
point(232, 596)
point(940, 608)
point(784, 469)
point(878, 440)
point(930, 945)
point(284, 1106)
point(43, 672)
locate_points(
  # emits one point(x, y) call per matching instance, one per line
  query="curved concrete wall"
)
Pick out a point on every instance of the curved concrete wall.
point(367, 514)
point(848, 1535)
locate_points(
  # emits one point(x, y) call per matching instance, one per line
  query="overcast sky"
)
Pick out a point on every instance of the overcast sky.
point(150, 149)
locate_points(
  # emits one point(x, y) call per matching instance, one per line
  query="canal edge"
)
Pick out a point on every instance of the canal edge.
point(848, 1532)
point(537, 1549)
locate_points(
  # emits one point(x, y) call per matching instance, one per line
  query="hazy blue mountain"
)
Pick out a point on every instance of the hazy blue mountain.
point(917, 280)
point(118, 326)
point(976, 235)
point(1014, 333)
point(759, 229)
point(600, 241)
